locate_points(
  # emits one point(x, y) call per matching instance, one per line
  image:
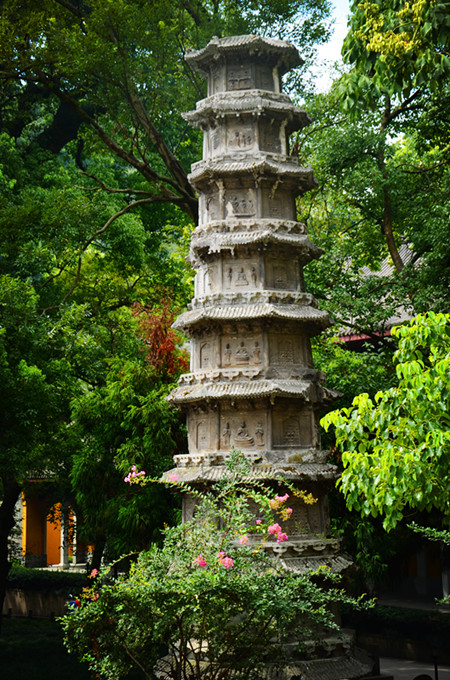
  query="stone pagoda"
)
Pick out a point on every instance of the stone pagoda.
point(252, 384)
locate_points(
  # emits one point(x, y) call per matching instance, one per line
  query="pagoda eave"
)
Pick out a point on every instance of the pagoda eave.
point(261, 389)
point(285, 170)
point(279, 52)
point(189, 472)
point(209, 243)
point(313, 319)
point(249, 102)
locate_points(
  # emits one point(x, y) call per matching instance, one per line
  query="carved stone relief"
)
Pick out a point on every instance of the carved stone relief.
point(246, 430)
point(277, 204)
point(291, 429)
point(264, 77)
point(205, 355)
point(215, 138)
point(242, 275)
point(240, 137)
point(310, 518)
point(239, 77)
point(281, 273)
point(212, 205)
point(269, 136)
point(238, 352)
point(240, 203)
point(285, 349)
point(216, 80)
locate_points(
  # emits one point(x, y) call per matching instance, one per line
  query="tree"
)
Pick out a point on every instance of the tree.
point(127, 418)
point(346, 215)
point(65, 329)
point(396, 47)
point(96, 209)
point(396, 447)
point(114, 73)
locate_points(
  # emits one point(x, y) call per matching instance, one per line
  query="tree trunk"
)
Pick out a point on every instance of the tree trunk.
point(387, 224)
point(11, 491)
point(98, 553)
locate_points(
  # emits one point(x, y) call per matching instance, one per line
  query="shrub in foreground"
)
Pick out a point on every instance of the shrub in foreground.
point(211, 601)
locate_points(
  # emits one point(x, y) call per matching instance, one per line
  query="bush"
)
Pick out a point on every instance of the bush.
point(211, 600)
point(62, 582)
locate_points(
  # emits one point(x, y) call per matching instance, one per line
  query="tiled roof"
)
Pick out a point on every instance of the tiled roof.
point(240, 101)
point(316, 318)
point(336, 563)
point(207, 474)
point(243, 390)
point(252, 224)
point(284, 167)
point(214, 242)
point(283, 52)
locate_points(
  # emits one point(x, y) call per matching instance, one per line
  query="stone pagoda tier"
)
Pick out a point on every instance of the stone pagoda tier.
point(253, 385)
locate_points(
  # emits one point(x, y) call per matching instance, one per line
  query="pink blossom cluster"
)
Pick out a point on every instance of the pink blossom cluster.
point(275, 503)
point(243, 540)
point(133, 474)
point(226, 562)
point(173, 477)
point(276, 530)
point(200, 560)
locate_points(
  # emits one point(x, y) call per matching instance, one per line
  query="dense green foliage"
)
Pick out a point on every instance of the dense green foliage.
point(96, 212)
point(95, 215)
point(43, 580)
point(396, 447)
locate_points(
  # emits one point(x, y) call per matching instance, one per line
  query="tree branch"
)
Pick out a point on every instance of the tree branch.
point(75, 10)
point(86, 245)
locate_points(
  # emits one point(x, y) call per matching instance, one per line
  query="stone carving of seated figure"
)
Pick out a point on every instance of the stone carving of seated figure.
point(242, 436)
point(242, 355)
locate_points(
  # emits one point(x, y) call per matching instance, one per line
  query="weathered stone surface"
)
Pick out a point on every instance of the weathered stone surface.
point(252, 384)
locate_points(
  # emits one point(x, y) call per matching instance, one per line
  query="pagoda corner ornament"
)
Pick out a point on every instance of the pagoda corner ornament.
point(253, 385)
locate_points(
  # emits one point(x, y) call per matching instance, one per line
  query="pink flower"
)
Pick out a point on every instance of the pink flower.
point(200, 560)
point(220, 555)
point(173, 477)
point(96, 596)
point(289, 511)
point(259, 521)
point(93, 573)
point(133, 474)
point(243, 540)
point(275, 503)
point(226, 562)
point(274, 529)
point(282, 537)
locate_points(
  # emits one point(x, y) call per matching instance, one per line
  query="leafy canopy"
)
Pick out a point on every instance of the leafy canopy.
point(396, 47)
point(396, 447)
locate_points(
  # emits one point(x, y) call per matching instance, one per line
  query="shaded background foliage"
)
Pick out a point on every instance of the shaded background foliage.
point(96, 213)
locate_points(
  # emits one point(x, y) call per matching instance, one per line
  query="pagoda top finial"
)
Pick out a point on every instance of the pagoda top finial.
point(279, 53)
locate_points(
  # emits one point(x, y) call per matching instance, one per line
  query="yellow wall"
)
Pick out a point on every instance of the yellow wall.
point(54, 536)
point(41, 529)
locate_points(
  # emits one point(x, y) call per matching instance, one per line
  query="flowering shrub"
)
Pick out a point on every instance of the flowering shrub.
point(211, 601)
